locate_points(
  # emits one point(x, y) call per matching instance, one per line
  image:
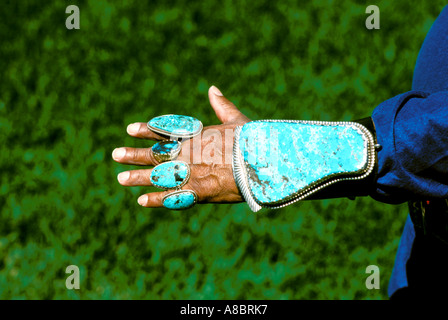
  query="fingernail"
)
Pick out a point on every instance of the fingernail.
point(123, 176)
point(133, 128)
point(118, 153)
point(216, 91)
point(142, 200)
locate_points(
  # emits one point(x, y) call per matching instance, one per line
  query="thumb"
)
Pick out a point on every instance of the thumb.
point(224, 109)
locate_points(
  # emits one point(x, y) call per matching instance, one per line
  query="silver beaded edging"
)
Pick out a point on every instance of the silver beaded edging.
point(239, 173)
point(241, 177)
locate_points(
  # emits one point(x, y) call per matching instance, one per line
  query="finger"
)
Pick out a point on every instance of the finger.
point(135, 178)
point(140, 130)
point(153, 199)
point(224, 109)
point(138, 156)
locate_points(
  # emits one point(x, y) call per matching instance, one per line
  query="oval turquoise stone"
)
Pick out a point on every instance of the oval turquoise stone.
point(179, 201)
point(169, 175)
point(175, 125)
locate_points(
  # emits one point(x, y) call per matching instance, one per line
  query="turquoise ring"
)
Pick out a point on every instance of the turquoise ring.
point(180, 200)
point(175, 126)
point(170, 175)
point(166, 150)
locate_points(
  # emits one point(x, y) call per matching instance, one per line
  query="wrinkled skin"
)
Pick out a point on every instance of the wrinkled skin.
point(211, 180)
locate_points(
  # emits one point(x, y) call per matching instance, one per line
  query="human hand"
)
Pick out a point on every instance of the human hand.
point(208, 154)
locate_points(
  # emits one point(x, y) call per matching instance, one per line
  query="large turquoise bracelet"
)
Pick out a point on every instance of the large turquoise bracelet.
point(279, 162)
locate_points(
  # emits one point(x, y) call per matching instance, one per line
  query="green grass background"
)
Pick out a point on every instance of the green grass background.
point(66, 97)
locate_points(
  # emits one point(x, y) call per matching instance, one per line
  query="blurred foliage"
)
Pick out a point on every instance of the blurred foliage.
point(66, 97)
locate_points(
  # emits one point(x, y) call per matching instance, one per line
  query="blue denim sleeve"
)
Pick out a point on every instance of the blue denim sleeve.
point(412, 129)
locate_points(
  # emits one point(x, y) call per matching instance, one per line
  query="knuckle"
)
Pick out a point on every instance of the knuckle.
point(196, 187)
point(133, 155)
point(136, 177)
point(141, 177)
point(227, 104)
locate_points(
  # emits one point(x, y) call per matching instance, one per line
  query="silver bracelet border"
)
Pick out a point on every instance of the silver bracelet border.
point(241, 177)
